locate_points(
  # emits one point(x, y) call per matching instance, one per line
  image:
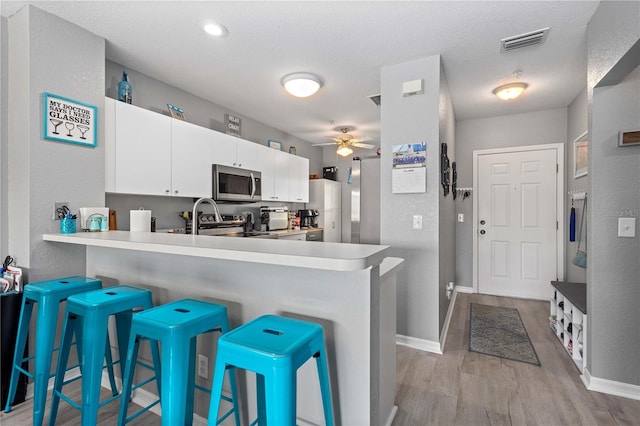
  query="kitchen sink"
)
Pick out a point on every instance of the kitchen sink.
point(253, 234)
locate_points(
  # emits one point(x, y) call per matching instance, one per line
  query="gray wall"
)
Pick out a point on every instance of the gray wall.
point(577, 124)
point(41, 171)
point(154, 95)
point(534, 128)
point(447, 228)
point(4, 144)
point(408, 120)
point(613, 271)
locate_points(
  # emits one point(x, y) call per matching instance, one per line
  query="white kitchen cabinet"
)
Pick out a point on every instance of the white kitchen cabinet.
point(326, 197)
point(298, 179)
point(142, 151)
point(224, 149)
point(191, 160)
point(275, 175)
point(235, 152)
point(295, 237)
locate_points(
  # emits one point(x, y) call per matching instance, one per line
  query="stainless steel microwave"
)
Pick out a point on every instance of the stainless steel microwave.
point(236, 185)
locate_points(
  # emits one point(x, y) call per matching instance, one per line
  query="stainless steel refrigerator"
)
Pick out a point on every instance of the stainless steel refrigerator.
point(365, 200)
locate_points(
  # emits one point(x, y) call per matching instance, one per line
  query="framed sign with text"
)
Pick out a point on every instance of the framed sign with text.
point(66, 120)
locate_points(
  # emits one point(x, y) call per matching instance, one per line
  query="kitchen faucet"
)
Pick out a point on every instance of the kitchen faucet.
point(194, 216)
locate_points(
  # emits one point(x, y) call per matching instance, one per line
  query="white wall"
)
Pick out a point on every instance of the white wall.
point(69, 64)
point(534, 128)
point(409, 120)
point(613, 286)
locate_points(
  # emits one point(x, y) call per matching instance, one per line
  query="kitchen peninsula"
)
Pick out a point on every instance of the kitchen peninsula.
point(347, 288)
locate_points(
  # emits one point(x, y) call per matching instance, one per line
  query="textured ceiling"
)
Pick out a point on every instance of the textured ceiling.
point(344, 42)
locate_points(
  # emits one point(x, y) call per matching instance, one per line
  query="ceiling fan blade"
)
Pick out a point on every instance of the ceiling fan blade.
point(363, 145)
point(327, 143)
point(362, 139)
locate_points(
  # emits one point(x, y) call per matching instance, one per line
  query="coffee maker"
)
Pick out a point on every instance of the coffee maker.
point(308, 218)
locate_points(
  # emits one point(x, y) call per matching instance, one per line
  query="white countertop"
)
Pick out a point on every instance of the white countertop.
point(328, 256)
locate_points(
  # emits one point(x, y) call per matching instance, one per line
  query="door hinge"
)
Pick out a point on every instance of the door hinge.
point(557, 168)
point(557, 226)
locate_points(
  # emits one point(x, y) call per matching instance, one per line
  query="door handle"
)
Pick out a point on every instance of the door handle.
point(482, 232)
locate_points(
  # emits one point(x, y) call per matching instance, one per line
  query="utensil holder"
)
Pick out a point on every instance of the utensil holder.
point(67, 226)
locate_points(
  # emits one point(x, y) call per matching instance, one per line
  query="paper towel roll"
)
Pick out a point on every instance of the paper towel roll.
point(140, 220)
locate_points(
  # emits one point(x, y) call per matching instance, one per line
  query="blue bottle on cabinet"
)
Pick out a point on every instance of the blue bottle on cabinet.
point(124, 89)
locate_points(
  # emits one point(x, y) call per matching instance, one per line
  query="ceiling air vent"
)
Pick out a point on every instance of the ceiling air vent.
point(375, 99)
point(523, 40)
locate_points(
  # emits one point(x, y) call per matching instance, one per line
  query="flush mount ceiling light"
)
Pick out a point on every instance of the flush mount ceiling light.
point(216, 30)
point(344, 150)
point(510, 91)
point(301, 84)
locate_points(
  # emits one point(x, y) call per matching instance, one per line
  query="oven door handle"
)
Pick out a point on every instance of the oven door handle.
point(253, 186)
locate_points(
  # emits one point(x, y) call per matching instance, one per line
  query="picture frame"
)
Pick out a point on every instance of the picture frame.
point(629, 138)
point(176, 112)
point(275, 145)
point(68, 120)
point(581, 156)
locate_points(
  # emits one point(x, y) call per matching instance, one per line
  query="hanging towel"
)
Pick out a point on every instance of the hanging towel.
point(572, 225)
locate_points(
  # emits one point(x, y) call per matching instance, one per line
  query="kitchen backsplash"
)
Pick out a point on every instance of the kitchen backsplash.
point(166, 209)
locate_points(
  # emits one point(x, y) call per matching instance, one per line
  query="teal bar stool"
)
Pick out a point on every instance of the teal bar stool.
point(47, 295)
point(274, 348)
point(176, 325)
point(88, 315)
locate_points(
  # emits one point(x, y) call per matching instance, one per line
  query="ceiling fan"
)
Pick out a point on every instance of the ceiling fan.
point(345, 141)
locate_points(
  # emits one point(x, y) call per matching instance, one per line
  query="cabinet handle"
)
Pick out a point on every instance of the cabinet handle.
point(166, 191)
point(176, 191)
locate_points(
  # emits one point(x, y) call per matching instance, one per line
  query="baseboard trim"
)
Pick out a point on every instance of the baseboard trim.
point(447, 320)
point(610, 387)
point(464, 289)
point(392, 415)
point(420, 344)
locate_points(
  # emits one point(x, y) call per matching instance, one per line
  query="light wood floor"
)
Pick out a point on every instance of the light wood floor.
point(468, 388)
point(462, 387)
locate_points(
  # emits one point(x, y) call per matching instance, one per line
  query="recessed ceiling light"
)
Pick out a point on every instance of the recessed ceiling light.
point(216, 30)
point(510, 91)
point(301, 84)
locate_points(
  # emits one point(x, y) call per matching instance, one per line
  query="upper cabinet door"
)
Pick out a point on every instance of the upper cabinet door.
point(275, 175)
point(298, 179)
point(192, 155)
point(248, 155)
point(143, 151)
point(224, 149)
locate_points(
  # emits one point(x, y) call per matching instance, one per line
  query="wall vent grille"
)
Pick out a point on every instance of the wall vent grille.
point(524, 40)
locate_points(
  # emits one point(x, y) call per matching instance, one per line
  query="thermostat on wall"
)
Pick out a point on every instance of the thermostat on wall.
point(410, 88)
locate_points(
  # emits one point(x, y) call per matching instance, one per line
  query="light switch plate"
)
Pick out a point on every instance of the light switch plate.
point(627, 227)
point(417, 221)
point(460, 217)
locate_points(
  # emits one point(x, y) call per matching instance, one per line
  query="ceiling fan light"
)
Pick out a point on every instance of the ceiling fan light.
point(510, 91)
point(301, 85)
point(344, 150)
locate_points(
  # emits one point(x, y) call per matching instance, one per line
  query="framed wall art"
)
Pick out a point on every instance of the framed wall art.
point(275, 145)
point(628, 138)
point(580, 156)
point(66, 120)
point(176, 112)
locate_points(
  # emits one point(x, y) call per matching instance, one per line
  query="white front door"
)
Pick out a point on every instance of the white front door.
point(517, 223)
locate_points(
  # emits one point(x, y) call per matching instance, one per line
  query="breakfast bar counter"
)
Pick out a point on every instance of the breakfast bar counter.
point(347, 288)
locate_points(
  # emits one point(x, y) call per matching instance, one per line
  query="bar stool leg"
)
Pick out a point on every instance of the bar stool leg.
point(127, 377)
point(94, 335)
point(260, 398)
point(23, 331)
point(280, 390)
point(325, 389)
point(44, 339)
point(123, 327)
point(70, 324)
point(216, 391)
point(175, 358)
point(190, 382)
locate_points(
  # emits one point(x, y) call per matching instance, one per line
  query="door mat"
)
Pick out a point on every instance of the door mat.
point(500, 332)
